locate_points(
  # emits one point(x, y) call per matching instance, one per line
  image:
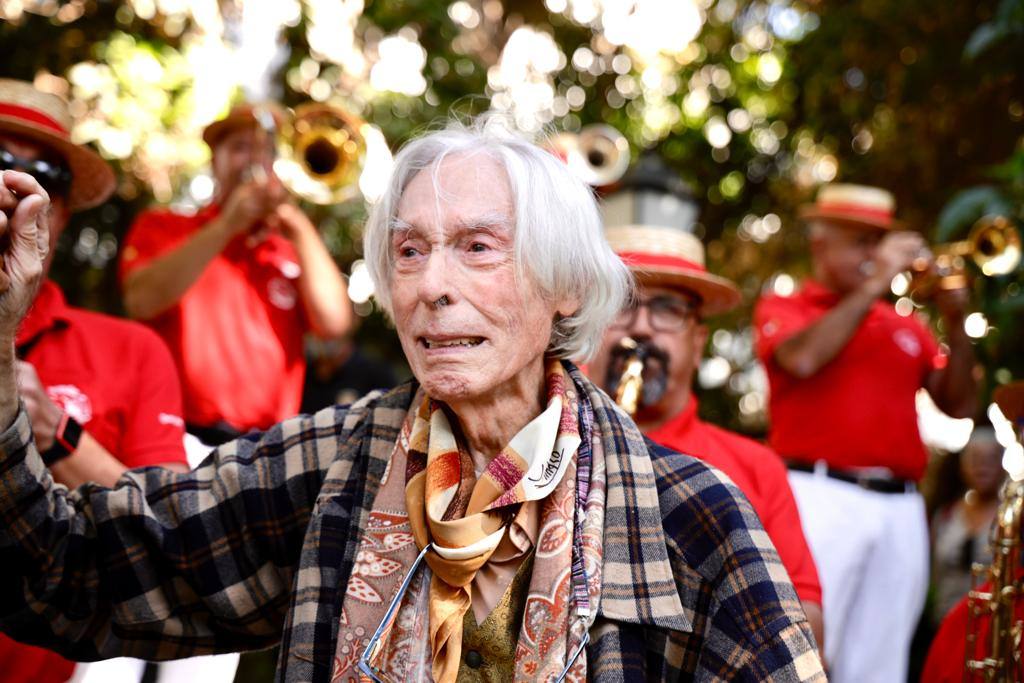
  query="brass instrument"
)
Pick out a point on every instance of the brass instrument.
point(598, 154)
point(631, 382)
point(319, 152)
point(998, 659)
point(993, 244)
point(637, 374)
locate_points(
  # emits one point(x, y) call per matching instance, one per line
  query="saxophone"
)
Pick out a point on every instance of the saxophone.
point(998, 658)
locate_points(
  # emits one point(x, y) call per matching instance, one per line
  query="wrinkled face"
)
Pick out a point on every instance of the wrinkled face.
point(59, 213)
point(234, 156)
point(843, 255)
point(454, 244)
point(666, 318)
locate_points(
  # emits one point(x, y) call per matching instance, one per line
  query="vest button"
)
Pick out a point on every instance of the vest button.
point(474, 660)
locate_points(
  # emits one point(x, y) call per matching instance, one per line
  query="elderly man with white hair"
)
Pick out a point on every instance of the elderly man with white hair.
point(496, 518)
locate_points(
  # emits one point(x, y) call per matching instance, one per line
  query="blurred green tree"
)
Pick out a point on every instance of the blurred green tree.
point(753, 102)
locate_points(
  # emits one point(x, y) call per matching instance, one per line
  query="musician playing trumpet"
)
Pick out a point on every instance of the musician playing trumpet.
point(844, 369)
point(676, 292)
point(243, 279)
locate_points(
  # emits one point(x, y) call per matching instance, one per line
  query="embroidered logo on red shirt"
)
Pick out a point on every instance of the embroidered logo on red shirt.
point(281, 293)
point(907, 341)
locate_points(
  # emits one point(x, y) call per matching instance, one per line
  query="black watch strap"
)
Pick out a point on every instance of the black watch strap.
point(65, 441)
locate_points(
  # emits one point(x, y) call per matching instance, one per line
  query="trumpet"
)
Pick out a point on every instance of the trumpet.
point(598, 154)
point(993, 244)
point(318, 152)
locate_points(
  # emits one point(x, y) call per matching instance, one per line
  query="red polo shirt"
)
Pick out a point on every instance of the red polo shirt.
point(236, 335)
point(859, 409)
point(116, 378)
point(760, 474)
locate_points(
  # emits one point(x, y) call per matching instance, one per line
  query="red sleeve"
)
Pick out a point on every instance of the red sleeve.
point(151, 235)
point(154, 431)
point(776, 319)
point(781, 520)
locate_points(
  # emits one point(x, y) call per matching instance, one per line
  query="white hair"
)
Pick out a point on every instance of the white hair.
point(559, 242)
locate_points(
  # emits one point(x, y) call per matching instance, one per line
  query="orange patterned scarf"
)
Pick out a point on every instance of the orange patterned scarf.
point(465, 518)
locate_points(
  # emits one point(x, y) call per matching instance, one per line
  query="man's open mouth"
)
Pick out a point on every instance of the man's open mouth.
point(455, 341)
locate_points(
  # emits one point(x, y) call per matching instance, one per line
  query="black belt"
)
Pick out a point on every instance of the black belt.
point(876, 484)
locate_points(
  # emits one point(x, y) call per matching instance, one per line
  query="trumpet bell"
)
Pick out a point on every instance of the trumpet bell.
point(598, 154)
point(321, 152)
point(994, 245)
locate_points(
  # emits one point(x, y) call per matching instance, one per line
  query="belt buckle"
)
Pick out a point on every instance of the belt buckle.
point(864, 482)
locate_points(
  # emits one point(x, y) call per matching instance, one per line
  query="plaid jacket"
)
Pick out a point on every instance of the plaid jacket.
point(254, 548)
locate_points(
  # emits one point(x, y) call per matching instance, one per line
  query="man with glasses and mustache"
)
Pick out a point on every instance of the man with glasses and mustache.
point(675, 293)
point(102, 394)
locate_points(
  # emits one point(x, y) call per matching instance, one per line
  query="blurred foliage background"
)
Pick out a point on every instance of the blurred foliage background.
point(753, 102)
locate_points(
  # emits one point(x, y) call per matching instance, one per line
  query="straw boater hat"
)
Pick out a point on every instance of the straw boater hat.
point(240, 116)
point(856, 206)
point(45, 119)
point(673, 258)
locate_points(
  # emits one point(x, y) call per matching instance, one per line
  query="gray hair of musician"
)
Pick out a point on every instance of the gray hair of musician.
point(559, 242)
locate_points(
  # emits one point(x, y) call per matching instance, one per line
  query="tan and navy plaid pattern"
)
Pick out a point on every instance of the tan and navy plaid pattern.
point(254, 547)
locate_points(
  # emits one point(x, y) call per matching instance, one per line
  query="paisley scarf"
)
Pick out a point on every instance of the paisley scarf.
point(440, 500)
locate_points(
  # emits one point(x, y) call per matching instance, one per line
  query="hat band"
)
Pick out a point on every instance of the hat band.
point(858, 210)
point(639, 259)
point(32, 116)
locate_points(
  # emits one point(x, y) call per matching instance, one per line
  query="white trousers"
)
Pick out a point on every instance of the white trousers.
point(204, 669)
point(871, 550)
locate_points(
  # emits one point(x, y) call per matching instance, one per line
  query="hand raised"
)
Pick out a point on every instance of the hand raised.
point(249, 204)
point(896, 252)
point(24, 243)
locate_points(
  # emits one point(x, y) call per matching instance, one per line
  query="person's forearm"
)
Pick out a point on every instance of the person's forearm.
point(954, 388)
point(806, 352)
point(321, 286)
point(8, 385)
point(90, 462)
point(155, 287)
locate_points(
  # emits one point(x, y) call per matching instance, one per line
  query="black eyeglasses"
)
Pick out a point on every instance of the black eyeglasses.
point(54, 178)
point(666, 313)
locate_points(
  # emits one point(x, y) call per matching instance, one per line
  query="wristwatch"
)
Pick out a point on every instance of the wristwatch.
point(65, 441)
